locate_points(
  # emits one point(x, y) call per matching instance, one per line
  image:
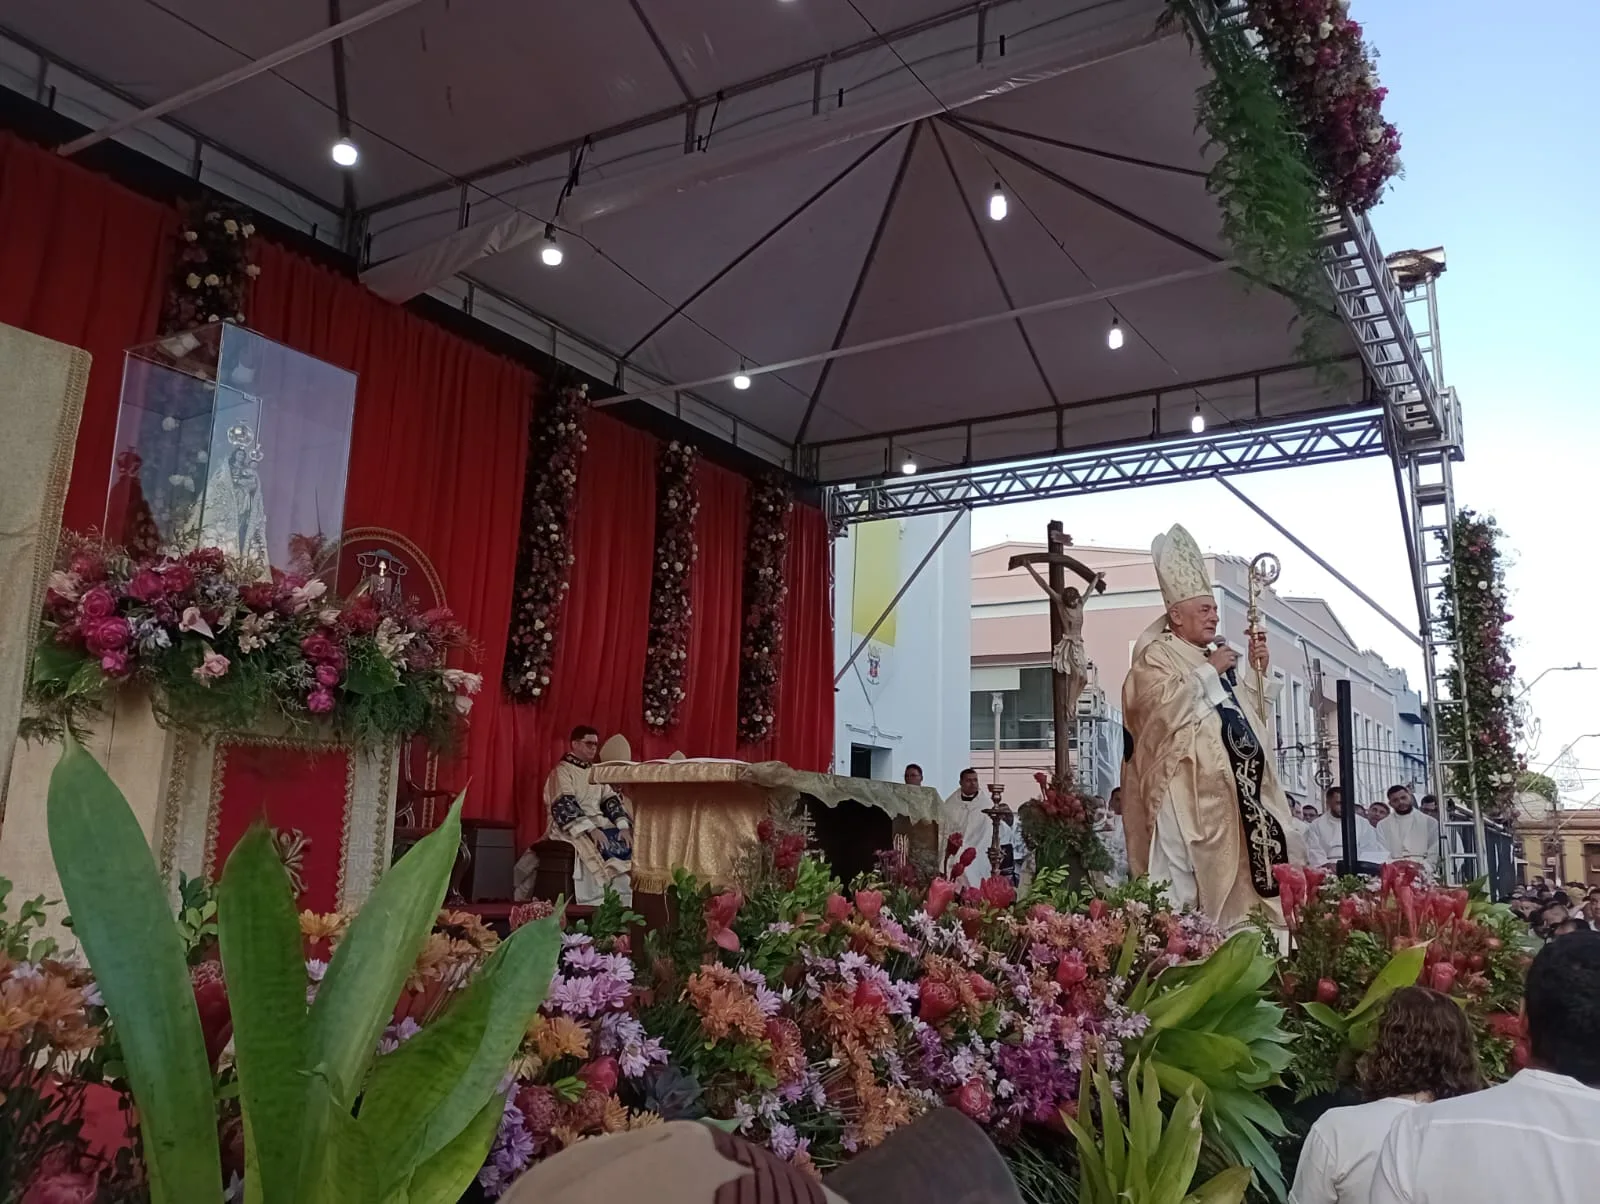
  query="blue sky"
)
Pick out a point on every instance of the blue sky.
point(1497, 114)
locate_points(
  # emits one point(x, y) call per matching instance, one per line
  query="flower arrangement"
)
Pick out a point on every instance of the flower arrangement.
point(1354, 942)
point(212, 269)
point(1327, 77)
point(1472, 611)
point(761, 648)
point(544, 553)
point(1059, 827)
point(667, 655)
point(221, 649)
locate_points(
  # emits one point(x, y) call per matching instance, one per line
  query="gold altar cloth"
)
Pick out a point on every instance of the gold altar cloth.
point(702, 814)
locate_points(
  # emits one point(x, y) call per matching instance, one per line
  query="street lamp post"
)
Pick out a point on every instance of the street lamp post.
point(1580, 667)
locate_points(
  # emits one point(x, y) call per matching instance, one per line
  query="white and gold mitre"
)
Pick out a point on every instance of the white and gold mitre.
point(1180, 567)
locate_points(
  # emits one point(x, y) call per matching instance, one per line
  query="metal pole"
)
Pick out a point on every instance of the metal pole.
point(997, 703)
point(895, 601)
point(1347, 775)
point(1337, 575)
point(239, 74)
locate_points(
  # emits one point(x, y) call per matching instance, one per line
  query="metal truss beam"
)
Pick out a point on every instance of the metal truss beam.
point(1353, 435)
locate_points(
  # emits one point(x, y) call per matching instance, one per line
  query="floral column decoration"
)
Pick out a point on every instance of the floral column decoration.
point(761, 648)
point(544, 557)
point(1473, 613)
point(667, 657)
point(212, 270)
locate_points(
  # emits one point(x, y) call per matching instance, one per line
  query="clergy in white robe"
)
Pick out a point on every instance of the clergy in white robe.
point(1408, 833)
point(1202, 807)
point(593, 820)
point(963, 815)
point(1325, 837)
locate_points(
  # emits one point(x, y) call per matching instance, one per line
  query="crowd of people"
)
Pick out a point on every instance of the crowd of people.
point(1430, 1133)
point(1552, 911)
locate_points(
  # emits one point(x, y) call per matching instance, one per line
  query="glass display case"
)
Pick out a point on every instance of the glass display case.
point(227, 439)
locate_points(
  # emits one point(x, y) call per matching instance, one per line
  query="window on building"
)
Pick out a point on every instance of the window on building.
point(1027, 717)
point(1297, 693)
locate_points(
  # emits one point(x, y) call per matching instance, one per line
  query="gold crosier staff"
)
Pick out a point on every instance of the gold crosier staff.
point(1264, 571)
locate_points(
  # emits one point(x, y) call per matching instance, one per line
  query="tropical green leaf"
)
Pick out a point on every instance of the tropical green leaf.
point(1209, 1055)
point(445, 1177)
point(1402, 970)
point(1225, 1187)
point(54, 662)
point(358, 992)
point(1326, 1016)
point(259, 932)
point(123, 920)
point(1178, 1154)
point(1112, 1135)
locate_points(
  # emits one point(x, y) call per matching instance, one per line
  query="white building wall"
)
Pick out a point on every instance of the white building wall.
point(918, 709)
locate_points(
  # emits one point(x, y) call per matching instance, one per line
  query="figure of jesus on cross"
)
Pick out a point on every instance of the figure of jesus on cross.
point(1069, 663)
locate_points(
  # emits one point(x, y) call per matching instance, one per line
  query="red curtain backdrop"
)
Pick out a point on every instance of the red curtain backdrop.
point(83, 261)
point(437, 454)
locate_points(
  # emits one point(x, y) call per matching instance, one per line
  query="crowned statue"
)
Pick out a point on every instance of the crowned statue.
point(1202, 807)
point(233, 513)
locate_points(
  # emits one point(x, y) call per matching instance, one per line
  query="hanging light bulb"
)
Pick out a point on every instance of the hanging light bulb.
point(1114, 335)
point(742, 380)
point(997, 204)
point(550, 253)
point(345, 153)
point(909, 467)
point(1197, 424)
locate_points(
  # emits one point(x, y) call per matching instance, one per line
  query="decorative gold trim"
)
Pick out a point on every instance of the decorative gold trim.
point(383, 824)
point(330, 554)
point(172, 804)
point(344, 829)
point(219, 765)
point(649, 882)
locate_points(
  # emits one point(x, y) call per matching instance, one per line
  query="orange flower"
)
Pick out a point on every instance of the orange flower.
point(323, 926)
point(558, 1037)
point(726, 1005)
point(465, 927)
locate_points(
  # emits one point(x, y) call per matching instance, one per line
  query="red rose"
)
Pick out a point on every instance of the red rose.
point(1071, 971)
point(973, 1098)
point(869, 996)
point(146, 586)
point(1442, 977)
point(115, 664)
point(935, 1001)
point(981, 987)
point(211, 998)
point(258, 596)
point(62, 1187)
point(87, 566)
point(940, 892)
point(1327, 990)
point(98, 603)
point(327, 675)
point(319, 702)
point(179, 578)
point(107, 635)
point(869, 903)
point(600, 1074)
point(1097, 909)
point(318, 647)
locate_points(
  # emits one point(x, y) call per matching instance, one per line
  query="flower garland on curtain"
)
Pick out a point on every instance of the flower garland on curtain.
point(212, 270)
point(667, 657)
point(1327, 77)
point(1473, 613)
point(544, 557)
point(764, 592)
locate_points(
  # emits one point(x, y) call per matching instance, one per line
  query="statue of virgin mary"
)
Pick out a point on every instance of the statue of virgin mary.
point(233, 513)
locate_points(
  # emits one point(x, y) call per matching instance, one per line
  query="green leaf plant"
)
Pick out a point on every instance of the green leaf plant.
point(1215, 1036)
point(1147, 1158)
point(1359, 1027)
point(325, 1119)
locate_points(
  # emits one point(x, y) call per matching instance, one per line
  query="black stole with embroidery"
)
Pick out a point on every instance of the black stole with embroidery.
point(1264, 842)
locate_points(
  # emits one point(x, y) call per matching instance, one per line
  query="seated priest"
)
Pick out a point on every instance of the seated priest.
point(593, 820)
point(1325, 838)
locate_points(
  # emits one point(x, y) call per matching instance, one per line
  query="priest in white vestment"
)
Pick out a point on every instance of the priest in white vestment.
point(1202, 806)
point(963, 815)
point(1325, 836)
point(1115, 839)
point(593, 820)
point(1408, 833)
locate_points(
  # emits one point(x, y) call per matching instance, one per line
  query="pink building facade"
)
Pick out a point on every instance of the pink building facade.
point(1011, 653)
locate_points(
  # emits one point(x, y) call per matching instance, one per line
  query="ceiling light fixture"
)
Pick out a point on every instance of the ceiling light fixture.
point(997, 204)
point(1197, 424)
point(909, 468)
point(1114, 335)
point(345, 153)
point(742, 380)
point(550, 252)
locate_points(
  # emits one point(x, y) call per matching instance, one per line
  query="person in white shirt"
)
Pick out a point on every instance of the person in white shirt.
point(1423, 1052)
point(964, 814)
point(1536, 1137)
point(1325, 836)
point(1115, 839)
point(1409, 834)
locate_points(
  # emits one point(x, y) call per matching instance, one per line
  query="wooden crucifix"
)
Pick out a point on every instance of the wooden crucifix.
point(1069, 663)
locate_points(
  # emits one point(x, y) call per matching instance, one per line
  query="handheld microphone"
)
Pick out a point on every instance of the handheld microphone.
point(1230, 678)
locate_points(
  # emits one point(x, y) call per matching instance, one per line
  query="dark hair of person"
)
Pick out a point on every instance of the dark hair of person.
point(582, 732)
point(968, 770)
point(1333, 790)
point(1562, 898)
point(1394, 790)
point(1571, 924)
point(909, 767)
point(1562, 999)
point(1424, 1046)
point(1431, 798)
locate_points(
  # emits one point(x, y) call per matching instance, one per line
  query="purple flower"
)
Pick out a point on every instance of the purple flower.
point(784, 1142)
point(512, 1151)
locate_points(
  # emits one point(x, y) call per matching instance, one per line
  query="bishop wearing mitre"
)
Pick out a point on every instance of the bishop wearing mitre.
point(1202, 807)
point(593, 820)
